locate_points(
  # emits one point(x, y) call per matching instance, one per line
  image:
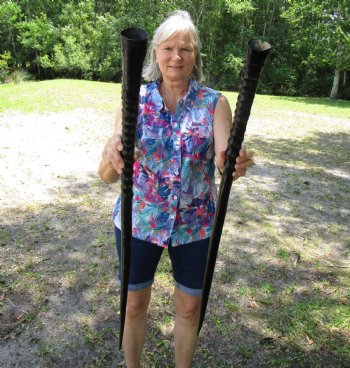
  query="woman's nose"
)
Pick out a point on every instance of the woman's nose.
point(176, 55)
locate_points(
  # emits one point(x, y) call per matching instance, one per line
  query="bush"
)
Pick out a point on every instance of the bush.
point(4, 66)
point(278, 79)
point(345, 93)
point(230, 68)
point(71, 59)
point(3, 75)
point(18, 76)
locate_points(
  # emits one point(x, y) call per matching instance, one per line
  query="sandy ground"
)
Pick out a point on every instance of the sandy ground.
point(58, 262)
point(36, 150)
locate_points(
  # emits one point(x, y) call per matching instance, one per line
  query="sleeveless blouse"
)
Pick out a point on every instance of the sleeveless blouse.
point(174, 188)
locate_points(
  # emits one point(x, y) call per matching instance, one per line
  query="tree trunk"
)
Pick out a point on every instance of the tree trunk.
point(335, 87)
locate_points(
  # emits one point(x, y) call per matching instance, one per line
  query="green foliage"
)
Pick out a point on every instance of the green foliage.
point(320, 34)
point(232, 63)
point(10, 15)
point(106, 57)
point(80, 39)
point(239, 7)
point(281, 80)
point(70, 58)
point(4, 60)
point(4, 65)
point(37, 38)
point(345, 93)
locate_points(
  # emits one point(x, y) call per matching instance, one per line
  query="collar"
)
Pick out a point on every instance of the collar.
point(187, 101)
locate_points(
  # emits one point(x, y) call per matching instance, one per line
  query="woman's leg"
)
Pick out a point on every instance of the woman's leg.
point(187, 309)
point(135, 326)
point(188, 261)
point(144, 261)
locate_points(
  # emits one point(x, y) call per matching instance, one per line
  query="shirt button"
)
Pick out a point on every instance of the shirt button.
point(175, 196)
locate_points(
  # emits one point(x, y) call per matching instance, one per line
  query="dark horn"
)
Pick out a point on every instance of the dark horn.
point(256, 55)
point(133, 45)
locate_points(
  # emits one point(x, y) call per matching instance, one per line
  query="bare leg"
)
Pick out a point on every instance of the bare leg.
point(186, 325)
point(135, 326)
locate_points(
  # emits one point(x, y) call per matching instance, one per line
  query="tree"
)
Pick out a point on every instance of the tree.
point(37, 37)
point(321, 30)
point(72, 51)
point(10, 16)
point(80, 39)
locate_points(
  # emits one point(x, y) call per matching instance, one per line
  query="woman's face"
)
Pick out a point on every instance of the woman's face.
point(176, 58)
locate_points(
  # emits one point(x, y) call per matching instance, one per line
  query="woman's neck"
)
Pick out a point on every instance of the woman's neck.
point(172, 92)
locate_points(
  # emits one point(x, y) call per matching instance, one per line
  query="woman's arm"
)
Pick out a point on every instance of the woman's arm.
point(222, 127)
point(111, 164)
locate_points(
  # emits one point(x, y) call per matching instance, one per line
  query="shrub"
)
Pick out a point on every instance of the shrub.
point(4, 66)
point(345, 93)
point(71, 59)
point(230, 68)
point(18, 76)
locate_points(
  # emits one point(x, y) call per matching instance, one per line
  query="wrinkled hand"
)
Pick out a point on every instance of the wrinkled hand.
point(243, 161)
point(112, 153)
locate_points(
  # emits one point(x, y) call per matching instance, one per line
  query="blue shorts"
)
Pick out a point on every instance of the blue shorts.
point(188, 264)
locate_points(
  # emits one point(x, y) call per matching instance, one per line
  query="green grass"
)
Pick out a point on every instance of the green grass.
point(59, 95)
point(321, 323)
point(266, 104)
point(67, 94)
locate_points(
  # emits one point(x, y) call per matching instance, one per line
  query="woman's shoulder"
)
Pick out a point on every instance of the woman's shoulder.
point(204, 88)
point(149, 95)
point(152, 85)
point(207, 93)
point(149, 89)
point(209, 89)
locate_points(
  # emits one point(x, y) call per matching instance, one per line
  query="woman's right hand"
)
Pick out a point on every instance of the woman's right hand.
point(112, 153)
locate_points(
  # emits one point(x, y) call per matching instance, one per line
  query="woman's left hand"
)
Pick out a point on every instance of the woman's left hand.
point(243, 161)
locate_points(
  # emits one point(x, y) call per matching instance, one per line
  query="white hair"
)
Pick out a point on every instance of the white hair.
point(179, 22)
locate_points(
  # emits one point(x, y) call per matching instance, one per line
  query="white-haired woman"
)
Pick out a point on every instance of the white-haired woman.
point(182, 128)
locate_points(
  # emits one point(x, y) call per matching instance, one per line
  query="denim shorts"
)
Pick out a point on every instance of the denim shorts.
point(188, 264)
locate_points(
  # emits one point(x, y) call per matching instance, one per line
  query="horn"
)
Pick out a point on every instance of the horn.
point(133, 46)
point(256, 55)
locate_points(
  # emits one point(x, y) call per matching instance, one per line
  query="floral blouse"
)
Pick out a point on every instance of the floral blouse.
point(174, 189)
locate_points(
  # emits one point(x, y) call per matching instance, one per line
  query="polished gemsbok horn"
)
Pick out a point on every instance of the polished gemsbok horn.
point(133, 45)
point(256, 55)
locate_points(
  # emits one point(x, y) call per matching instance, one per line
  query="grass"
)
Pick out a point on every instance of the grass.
point(59, 95)
point(65, 95)
point(280, 295)
point(304, 105)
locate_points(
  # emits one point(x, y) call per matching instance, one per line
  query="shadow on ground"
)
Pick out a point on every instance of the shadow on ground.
point(274, 303)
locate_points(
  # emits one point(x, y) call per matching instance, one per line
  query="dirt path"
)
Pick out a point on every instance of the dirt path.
point(287, 224)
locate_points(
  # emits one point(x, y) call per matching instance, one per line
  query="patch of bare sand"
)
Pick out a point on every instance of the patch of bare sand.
point(38, 150)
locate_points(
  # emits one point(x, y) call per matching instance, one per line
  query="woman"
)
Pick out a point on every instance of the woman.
point(182, 128)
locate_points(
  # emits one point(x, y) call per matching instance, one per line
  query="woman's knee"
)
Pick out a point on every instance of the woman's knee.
point(187, 306)
point(137, 303)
